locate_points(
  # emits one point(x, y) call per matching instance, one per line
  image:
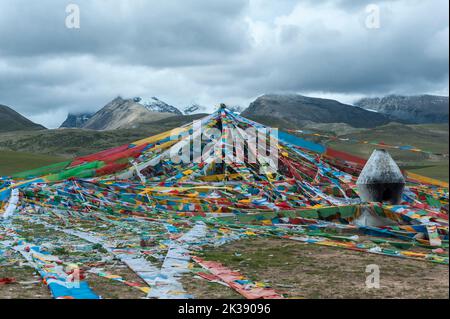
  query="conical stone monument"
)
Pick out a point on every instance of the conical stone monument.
point(381, 179)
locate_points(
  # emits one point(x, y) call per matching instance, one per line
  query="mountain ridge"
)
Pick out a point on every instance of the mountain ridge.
point(10, 120)
point(299, 109)
point(414, 109)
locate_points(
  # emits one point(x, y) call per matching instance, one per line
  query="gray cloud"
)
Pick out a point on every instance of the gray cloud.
point(212, 51)
point(156, 33)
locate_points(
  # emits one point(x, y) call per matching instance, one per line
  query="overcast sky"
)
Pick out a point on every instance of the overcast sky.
point(212, 51)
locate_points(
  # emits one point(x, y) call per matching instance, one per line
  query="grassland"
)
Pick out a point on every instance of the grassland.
point(13, 162)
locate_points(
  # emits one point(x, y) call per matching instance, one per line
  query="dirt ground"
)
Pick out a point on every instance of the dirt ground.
point(28, 284)
point(110, 289)
point(309, 271)
point(294, 269)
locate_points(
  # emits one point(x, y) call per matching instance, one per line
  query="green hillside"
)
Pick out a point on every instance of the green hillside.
point(13, 162)
point(24, 150)
point(76, 142)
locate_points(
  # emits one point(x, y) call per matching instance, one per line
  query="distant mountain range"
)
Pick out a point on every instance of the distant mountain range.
point(10, 120)
point(281, 110)
point(298, 110)
point(418, 109)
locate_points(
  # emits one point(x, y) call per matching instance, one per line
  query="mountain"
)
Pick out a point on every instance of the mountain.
point(76, 120)
point(293, 110)
point(235, 108)
point(155, 105)
point(123, 113)
point(196, 108)
point(10, 120)
point(193, 108)
point(420, 109)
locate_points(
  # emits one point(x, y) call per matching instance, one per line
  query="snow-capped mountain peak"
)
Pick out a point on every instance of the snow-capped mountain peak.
point(156, 105)
point(194, 108)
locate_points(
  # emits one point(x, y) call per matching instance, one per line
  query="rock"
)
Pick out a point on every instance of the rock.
point(76, 120)
point(191, 109)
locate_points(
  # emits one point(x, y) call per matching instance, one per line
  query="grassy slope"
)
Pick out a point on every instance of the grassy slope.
point(13, 162)
point(76, 142)
point(20, 151)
